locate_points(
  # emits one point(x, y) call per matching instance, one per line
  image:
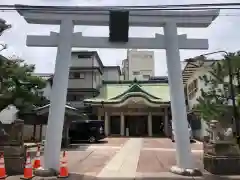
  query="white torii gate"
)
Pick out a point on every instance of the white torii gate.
point(66, 39)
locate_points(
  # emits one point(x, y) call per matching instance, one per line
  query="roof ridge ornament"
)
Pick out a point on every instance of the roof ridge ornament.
point(135, 80)
point(135, 87)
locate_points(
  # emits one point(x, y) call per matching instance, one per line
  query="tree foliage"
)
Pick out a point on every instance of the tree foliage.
point(3, 26)
point(18, 86)
point(213, 102)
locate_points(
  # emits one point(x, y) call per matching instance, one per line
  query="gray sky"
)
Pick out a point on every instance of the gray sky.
point(223, 34)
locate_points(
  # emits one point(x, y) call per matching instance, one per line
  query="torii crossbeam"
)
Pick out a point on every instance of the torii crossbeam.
point(66, 39)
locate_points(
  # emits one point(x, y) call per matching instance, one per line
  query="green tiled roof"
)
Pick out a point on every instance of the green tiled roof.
point(113, 93)
point(136, 88)
point(159, 90)
point(113, 90)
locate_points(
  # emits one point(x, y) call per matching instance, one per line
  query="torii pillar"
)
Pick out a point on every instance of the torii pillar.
point(58, 95)
point(66, 39)
point(177, 97)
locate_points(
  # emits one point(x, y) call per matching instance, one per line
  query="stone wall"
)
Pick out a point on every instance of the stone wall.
point(28, 132)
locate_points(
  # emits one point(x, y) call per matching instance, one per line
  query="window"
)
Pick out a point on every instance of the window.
point(79, 97)
point(80, 56)
point(81, 75)
point(148, 56)
point(146, 72)
point(136, 72)
point(70, 75)
point(70, 97)
point(76, 75)
point(74, 97)
point(146, 76)
point(136, 56)
point(192, 89)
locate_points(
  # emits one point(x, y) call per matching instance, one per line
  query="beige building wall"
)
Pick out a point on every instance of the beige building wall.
point(140, 64)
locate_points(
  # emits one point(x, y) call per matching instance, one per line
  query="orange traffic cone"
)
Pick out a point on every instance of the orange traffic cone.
point(3, 174)
point(28, 172)
point(63, 167)
point(37, 161)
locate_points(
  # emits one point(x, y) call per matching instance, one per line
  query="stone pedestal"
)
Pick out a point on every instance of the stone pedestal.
point(222, 158)
point(41, 172)
point(14, 157)
point(13, 148)
point(222, 165)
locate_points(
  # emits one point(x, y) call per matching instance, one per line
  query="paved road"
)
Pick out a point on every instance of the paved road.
point(125, 162)
point(124, 158)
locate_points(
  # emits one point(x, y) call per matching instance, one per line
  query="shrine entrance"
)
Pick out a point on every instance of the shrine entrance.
point(158, 126)
point(67, 17)
point(137, 125)
point(115, 125)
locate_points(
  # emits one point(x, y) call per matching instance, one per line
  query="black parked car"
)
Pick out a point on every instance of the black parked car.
point(86, 130)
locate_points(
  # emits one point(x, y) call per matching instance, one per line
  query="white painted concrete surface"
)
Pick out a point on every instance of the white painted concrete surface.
point(124, 163)
point(58, 96)
point(178, 106)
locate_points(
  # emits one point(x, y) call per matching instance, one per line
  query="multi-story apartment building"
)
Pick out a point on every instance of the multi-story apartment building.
point(192, 83)
point(86, 75)
point(139, 65)
point(192, 86)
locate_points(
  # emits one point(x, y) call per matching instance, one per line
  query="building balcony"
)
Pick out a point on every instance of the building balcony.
point(83, 84)
point(80, 105)
point(79, 84)
point(76, 104)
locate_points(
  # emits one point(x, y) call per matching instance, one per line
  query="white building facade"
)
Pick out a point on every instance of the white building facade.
point(193, 85)
point(139, 65)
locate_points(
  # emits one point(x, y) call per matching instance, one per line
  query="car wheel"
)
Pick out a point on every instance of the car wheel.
point(92, 139)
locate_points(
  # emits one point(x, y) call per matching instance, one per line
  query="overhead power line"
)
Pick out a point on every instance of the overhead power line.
point(118, 9)
point(132, 8)
point(149, 6)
